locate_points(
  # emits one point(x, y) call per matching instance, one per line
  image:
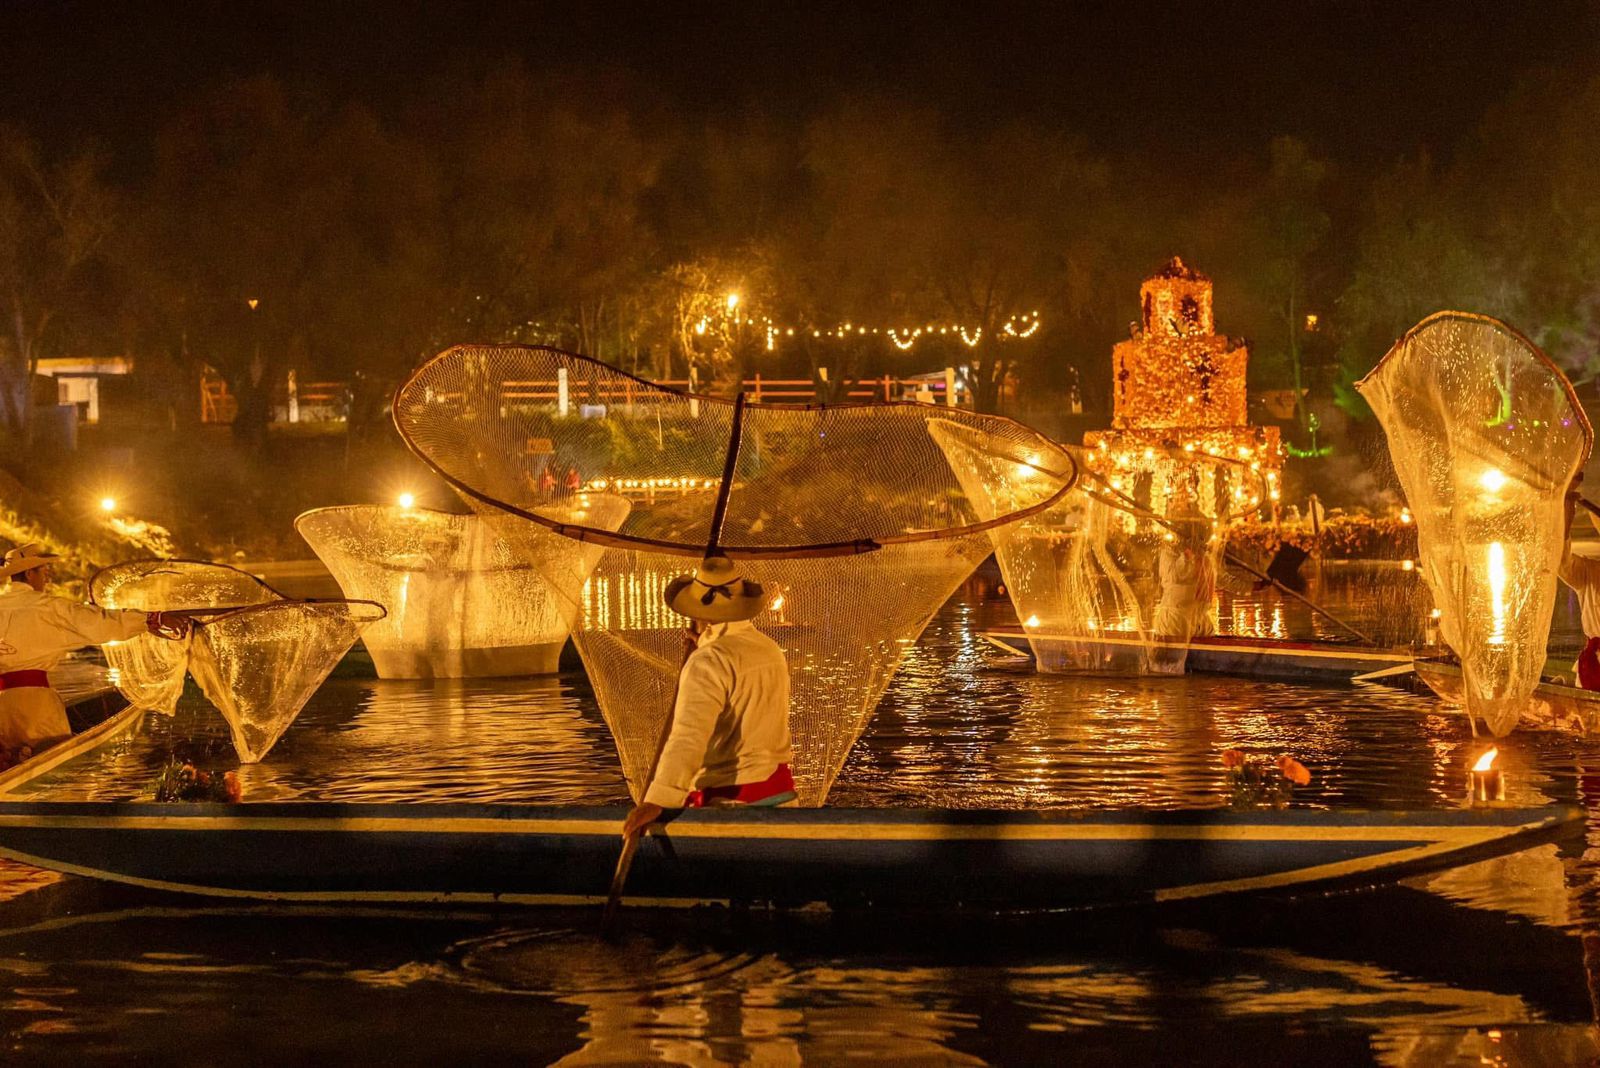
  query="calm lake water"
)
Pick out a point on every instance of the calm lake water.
point(1494, 963)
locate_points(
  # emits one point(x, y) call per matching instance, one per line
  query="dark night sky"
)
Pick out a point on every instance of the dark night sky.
point(1365, 82)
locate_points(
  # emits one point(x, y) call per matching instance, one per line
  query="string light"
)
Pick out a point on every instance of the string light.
point(1017, 328)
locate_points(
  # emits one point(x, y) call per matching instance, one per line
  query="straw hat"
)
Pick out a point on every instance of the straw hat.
point(715, 593)
point(26, 558)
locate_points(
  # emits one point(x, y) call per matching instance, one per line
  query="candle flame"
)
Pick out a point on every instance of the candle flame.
point(1486, 760)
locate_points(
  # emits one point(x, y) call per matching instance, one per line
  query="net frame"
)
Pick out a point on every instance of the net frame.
point(174, 658)
point(929, 560)
point(1500, 711)
point(488, 560)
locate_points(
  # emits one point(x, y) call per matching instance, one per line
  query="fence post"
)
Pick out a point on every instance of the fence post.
point(886, 389)
point(950, 387)
point(758, 387)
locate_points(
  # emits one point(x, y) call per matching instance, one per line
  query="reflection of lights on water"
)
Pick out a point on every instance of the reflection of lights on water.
point(1493, 480)
point(1497, 591)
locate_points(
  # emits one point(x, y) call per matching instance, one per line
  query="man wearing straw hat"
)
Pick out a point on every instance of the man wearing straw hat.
point(36, 630)
point(728, 742)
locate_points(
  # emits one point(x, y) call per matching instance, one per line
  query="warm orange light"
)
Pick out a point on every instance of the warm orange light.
point(406, 500)
point(108, 504)
point(1486, 760)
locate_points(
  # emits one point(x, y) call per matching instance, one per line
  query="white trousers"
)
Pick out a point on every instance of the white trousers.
point(33, 716)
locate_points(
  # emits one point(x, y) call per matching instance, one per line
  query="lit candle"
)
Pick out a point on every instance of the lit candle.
point(1484, 781)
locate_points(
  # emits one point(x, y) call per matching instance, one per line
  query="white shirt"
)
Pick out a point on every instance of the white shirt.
point(38, 629)
point(1582, 573)
point(731, 721)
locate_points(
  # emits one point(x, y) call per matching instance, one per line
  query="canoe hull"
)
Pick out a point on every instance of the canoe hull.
point(1551, 706)
point(1224, 655)
point(791, 857)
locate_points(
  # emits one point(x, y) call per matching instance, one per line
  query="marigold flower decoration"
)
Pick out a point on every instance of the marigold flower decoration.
point(1255, 783)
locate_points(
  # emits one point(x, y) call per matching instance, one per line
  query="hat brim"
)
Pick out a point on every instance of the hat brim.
point(27, 563)
point(684, 600)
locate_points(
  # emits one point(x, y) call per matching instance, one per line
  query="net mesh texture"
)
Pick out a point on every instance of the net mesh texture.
point(255, 654)
point(463, 601)
point(1486, 435)
point(1121, 573)
point(850, 516)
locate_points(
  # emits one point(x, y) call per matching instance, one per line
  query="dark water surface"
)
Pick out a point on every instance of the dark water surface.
point(1495, 963)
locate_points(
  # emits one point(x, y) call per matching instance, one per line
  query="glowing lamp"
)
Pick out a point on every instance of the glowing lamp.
point(406, 500)
point(1484, 781)
point(108, 504)
point(1032, 621)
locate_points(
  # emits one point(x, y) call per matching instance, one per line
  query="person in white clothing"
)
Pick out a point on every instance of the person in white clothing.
point(729, 738)
point(1189, 579)
point(1582, 573)
point(36, 630)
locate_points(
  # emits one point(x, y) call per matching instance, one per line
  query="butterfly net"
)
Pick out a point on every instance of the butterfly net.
point(1485, 435)
point(256, 655)
point(148, 670)
point(849, 516)
point(462, 600)
point(1119, 574)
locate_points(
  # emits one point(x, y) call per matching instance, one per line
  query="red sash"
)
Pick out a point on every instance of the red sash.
point(1589, 665)
point(16, 680)
point(775, 789)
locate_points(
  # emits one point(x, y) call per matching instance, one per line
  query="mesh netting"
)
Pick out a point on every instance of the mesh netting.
point(1118, 575)
point(1486, 435)
point(256, 655)
point(462, 599)
point(849, 515)
point(260, 665)
point(148, 670)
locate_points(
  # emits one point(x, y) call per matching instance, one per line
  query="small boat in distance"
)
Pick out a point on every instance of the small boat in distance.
point(1274, 658)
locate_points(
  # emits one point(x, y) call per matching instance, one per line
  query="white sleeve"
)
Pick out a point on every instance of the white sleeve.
point(703, 690)
point(95, 626)
point(1579, 572)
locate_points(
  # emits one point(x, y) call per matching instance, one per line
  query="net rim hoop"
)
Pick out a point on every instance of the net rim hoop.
point(218, 612)
point(613, 540)
point(353, 508)
point(1479, 319)
point(258, 580)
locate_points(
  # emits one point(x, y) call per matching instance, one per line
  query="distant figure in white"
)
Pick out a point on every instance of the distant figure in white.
point(1582, 573)
point(729, 739)
point(1187, 571)
point(36, 630)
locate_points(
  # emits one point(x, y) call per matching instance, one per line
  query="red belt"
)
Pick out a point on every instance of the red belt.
point(17, 680)
point(775, 789)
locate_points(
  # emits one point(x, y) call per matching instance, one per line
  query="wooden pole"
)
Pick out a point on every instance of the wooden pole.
point(719, 514)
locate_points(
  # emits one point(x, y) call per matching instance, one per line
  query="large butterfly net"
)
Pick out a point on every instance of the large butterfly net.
point(850, 516)
point(256, 655)
point(1486, 435)
point(1121, 573)
point(462, 600)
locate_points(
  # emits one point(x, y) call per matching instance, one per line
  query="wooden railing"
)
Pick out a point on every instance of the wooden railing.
point(217, 404)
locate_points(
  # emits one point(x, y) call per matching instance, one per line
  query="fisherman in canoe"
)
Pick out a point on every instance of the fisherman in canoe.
point(36, 630)
point(729, 739)
point(1187, 570)
point(1582, 573)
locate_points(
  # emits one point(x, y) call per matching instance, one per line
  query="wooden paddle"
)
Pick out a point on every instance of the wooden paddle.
point(630, 842)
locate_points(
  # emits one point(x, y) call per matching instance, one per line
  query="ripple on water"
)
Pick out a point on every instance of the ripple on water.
point(565, 962)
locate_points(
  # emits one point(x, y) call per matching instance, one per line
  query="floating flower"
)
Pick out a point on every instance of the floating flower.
point(1232, 759)
point(1293, 770)
point(232, 787)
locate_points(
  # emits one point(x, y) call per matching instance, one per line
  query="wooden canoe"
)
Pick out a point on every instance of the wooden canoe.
point(1273, 658)
point(1552, 706)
